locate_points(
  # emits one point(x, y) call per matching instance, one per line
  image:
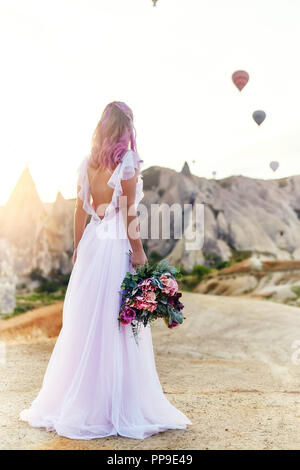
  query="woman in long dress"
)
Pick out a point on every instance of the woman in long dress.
point(99, 382)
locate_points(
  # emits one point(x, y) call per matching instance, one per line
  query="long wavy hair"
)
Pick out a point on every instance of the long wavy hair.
point(112, 136)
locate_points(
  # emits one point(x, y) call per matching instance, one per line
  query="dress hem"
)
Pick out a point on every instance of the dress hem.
point(52, 427)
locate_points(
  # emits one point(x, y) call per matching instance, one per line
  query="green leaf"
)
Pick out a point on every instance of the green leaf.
point(177, 316)
point(174, 314)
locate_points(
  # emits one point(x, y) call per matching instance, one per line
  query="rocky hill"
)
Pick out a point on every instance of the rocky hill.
point(32, 235)
point(241, 214)
point(39, 235)
point(256, 217)
point(278, 281)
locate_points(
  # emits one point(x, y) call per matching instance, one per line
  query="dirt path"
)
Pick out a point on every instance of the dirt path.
point(229, 368)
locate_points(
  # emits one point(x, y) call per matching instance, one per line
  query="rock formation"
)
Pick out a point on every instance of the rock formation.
point(278, 281)
point(7, 279)
point(59, 234)
point(37, 237)
point(186, 169)
point(240, 214)
point(23, 226)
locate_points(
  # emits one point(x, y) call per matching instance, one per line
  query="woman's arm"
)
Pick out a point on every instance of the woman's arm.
point(79, 223)
point(127, 205)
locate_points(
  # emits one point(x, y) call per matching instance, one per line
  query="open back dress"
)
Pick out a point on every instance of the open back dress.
point(99, 382)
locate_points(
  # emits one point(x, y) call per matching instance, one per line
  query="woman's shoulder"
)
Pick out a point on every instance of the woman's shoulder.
point(127, 167)
point(131, 158)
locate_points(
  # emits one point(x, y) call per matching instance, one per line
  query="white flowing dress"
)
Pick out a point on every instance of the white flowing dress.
point(99, 382)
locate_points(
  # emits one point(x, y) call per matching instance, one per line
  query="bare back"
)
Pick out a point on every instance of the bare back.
point(99, 189)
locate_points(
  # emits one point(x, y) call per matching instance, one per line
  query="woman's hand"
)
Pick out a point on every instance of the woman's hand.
point(138, 258)
point(74, 257)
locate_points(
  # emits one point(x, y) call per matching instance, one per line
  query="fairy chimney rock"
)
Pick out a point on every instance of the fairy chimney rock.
point(186, 169)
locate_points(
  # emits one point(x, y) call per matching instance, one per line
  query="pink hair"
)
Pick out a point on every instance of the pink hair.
point(112, 136)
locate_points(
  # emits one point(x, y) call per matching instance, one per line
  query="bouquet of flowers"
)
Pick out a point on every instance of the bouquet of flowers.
point(150, 293)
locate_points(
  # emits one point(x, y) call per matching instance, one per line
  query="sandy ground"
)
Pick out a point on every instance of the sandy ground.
point(229, 368)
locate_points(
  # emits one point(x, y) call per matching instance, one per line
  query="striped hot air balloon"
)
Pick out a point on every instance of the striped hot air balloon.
point(240, 79)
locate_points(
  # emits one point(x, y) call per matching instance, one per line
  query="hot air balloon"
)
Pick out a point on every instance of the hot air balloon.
point(154, 2)
point(214, 173)
point(274, 165)
point(259, 116)
point(240, 79)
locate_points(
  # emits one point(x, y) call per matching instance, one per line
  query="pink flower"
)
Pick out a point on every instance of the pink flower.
point(146, 301)
point(169, 283)
point(127, 315)
point(124, 319)
point(147, 285)
point(139, 302)
point(150, 296)
point(152, 307)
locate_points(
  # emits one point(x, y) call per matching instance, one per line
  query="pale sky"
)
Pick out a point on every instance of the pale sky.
point(62, 61)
